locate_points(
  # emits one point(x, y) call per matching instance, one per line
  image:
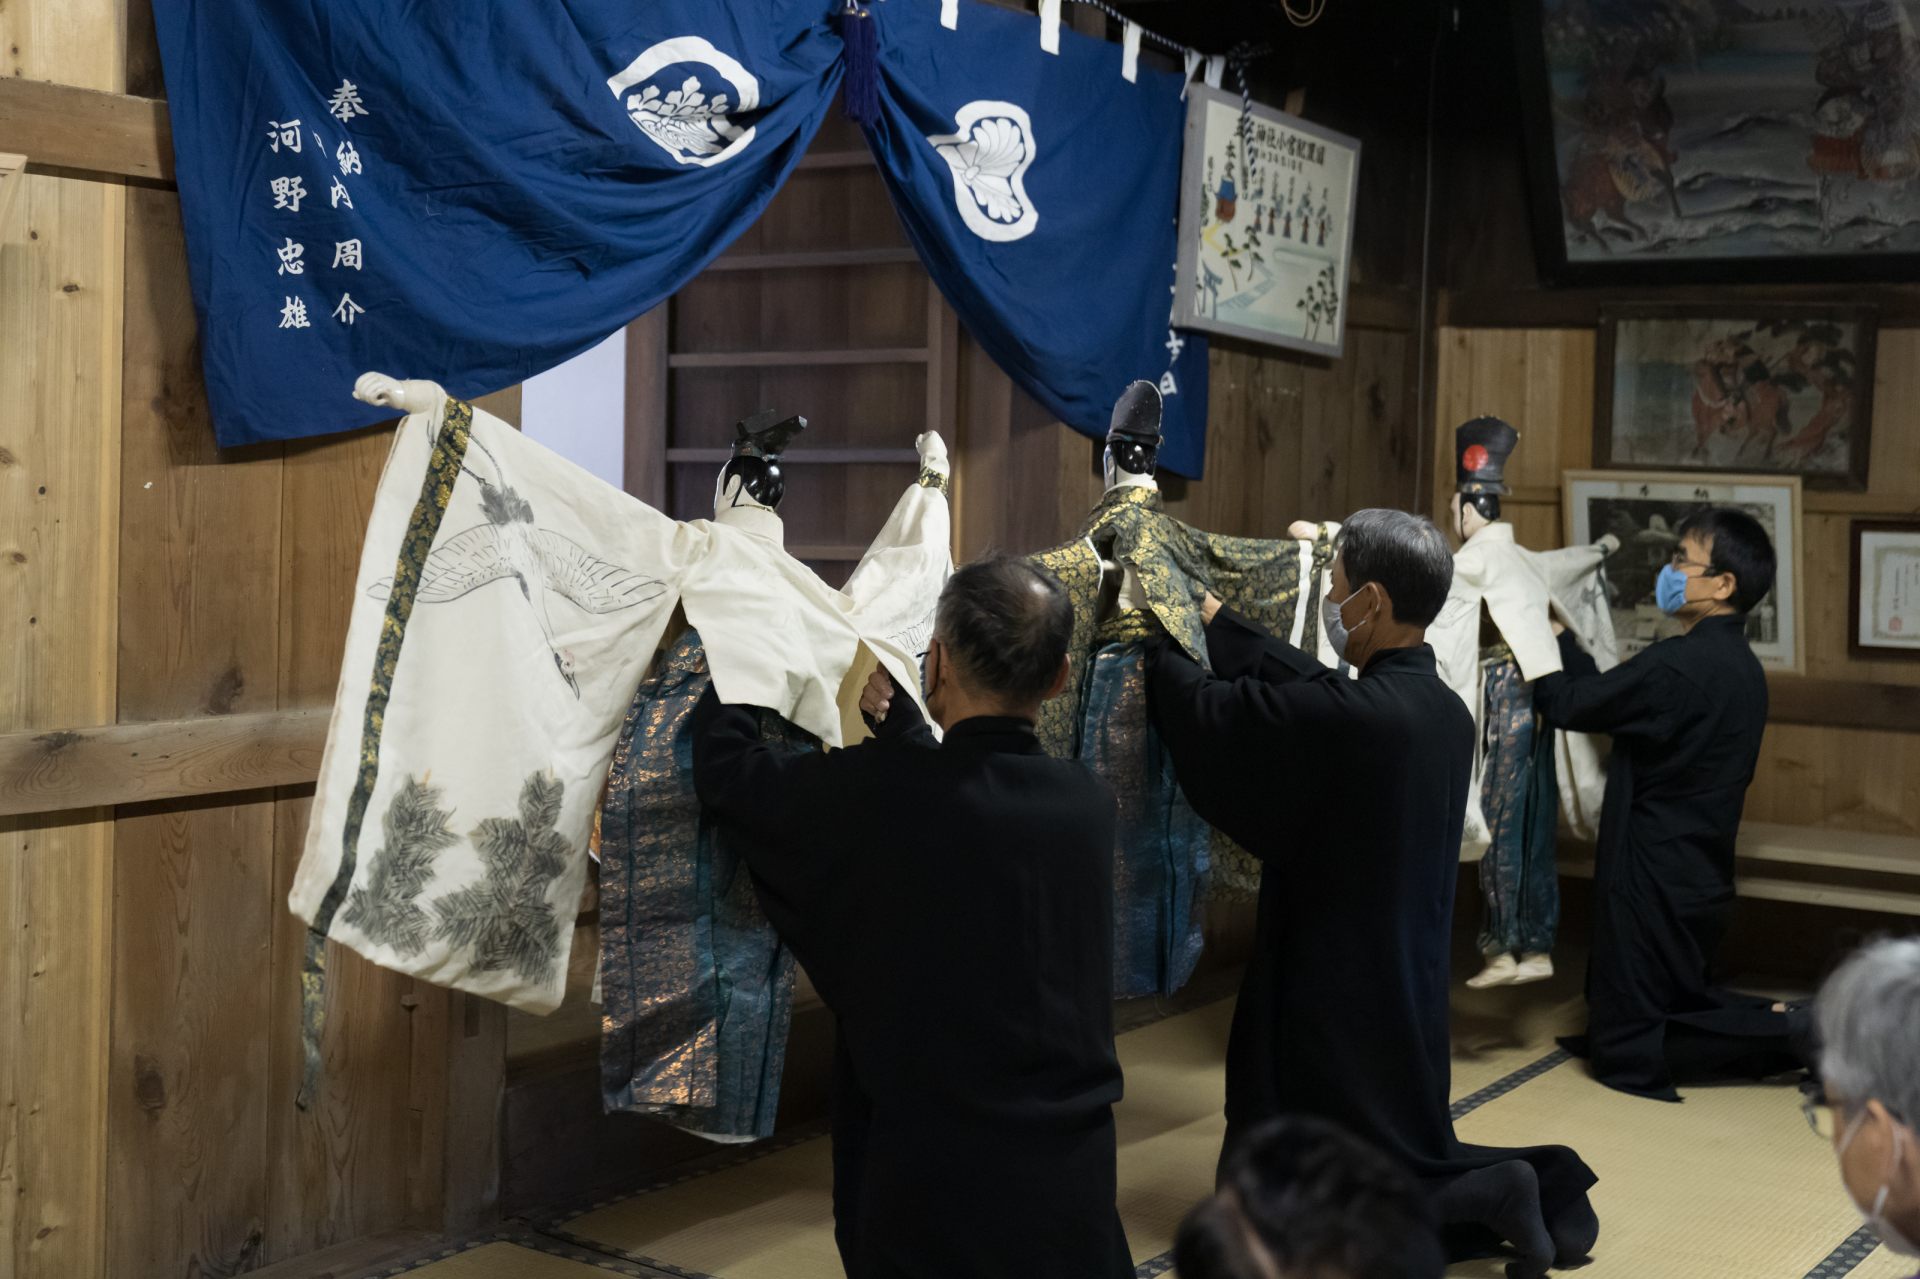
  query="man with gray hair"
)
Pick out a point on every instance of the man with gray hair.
point(1868, 1021)
point(1343, 1010)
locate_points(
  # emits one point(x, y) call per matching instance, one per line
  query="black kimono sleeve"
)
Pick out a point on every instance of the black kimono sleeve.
point(783, 802)
point(1636, 698)
point(1228, 736)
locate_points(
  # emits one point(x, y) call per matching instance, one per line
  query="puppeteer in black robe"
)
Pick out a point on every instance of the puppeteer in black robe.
point(1686, 716)
point(1343, 1010)
point(953, 904)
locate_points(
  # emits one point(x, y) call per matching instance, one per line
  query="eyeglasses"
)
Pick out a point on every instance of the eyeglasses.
point(1821, 1117)
point(1824, 1118)
point(1680, 560)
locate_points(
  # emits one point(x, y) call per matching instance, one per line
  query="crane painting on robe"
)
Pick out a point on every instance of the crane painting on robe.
point(544, 564)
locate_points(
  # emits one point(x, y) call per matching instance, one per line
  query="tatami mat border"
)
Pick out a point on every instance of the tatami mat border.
point(1845, 1259)
point(1501, 1087)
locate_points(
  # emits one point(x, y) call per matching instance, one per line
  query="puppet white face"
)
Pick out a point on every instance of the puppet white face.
point(1115, 477)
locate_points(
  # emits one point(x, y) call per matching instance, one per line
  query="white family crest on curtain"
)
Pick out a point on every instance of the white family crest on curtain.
point(989, 152)
point(690, 116)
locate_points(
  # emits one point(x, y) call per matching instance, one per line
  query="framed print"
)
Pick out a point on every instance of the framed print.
point(1266, 225)
point(1769, 390)
point(1698, 142)
point(1644, 509)
point(1885, 591)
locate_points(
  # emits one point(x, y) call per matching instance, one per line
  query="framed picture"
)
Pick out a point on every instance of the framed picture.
point(1773, 390)
point(1643, 510)
point(1695, 142)
point(1885, 594)
point(1266, 225)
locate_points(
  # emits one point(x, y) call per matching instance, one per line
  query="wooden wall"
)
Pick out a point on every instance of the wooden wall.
point(1860, 775)
point(149, 968)
point(1840, 750)
point(155, 589)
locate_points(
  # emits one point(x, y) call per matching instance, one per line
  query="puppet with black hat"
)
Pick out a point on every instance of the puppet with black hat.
point(1493, 639)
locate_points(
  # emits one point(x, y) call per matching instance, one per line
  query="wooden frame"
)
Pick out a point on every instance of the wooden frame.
point(1550, 223)
point(1859, 392)
point(1856, 535)
point(1188, 313)
point(1687, 490)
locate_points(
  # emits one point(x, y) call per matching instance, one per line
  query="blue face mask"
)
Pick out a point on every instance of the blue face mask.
point(1670, 591)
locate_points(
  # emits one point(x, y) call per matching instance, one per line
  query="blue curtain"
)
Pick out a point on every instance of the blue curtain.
point(478, 192)
point(492, 186)
point(1042, 192)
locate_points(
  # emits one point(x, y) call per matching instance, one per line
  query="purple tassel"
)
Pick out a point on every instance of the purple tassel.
point(861, 88)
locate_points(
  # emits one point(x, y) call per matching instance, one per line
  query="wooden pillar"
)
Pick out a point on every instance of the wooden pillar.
point(61, 246)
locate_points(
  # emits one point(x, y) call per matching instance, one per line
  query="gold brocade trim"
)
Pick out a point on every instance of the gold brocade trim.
point(1127, 626)
point(436, 491)
point(1492, 654)
point(932, 479)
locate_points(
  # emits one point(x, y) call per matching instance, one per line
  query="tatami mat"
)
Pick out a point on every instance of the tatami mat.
point(509, 1261)
point(1730, 1183)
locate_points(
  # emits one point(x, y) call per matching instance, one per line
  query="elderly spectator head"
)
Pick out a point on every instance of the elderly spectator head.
point(1868, 1020)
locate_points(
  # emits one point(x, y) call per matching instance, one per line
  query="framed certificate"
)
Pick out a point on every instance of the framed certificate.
point(1885, 589)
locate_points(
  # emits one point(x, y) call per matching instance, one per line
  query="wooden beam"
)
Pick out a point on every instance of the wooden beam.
point(1837, 703)
point(133, 763)
point(796, 359)
point(64, 128)
point(1542, 308)
point(838, 457)
point(645, 466)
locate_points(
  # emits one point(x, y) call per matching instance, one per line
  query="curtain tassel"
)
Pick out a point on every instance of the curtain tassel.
point(861, 88)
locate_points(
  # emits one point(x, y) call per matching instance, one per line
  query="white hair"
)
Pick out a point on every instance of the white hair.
point(1868, 1016)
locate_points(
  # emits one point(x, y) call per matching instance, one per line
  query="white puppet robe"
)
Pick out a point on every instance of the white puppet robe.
point(481, 697)
point(1517, 585)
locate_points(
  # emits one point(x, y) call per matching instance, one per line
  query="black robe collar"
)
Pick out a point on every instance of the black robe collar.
point(1007, 734)
point(1402, 661)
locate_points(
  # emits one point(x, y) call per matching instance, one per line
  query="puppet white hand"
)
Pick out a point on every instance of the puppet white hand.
point(1611, 542)
point(933, 452)
point(416, 396)
point(1305, 530)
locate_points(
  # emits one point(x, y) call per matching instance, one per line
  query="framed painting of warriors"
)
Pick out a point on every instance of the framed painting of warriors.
point(1779, 390)
point(1644, 512)
point(1679, 142)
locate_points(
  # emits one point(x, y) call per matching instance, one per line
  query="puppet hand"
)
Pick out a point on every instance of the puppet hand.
point(1305, 530)
point(933, 452)
point(1559, 627)
point(416, 396)
point(877, 697)
point(1610, 542)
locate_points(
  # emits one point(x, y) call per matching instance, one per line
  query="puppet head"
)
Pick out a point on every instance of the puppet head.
point(1480, 451)
point(1133, 434)
point(752, 476)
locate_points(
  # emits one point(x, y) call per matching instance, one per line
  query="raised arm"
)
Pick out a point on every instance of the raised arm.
point(1230, 738)
point(1635, 699)
point(779, 799)
point(1238, 646)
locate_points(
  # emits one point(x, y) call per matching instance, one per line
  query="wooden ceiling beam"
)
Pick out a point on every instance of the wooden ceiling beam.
point(67, 130)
